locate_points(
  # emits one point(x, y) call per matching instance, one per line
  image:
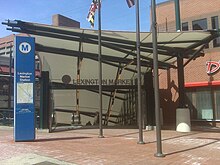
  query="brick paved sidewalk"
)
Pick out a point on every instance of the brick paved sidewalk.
point(119, 147)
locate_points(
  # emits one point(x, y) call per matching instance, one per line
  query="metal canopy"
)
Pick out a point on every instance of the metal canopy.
point(118, 56)
point(117, 46)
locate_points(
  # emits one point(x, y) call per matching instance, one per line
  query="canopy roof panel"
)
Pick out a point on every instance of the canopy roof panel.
point(117, 46)
point(80, 49)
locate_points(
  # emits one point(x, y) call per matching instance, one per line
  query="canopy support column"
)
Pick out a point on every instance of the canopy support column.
point(10, 78)
point(181, 82)
point(44, 100)
point(182, 113)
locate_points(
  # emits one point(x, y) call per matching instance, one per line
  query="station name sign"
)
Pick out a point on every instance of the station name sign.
point(104, 82)
point(24, 82)
point(66, 79)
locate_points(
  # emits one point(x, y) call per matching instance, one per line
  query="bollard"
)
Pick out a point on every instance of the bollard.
point(183, 120)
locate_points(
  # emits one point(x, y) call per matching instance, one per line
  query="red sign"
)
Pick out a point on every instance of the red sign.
point(212, 67)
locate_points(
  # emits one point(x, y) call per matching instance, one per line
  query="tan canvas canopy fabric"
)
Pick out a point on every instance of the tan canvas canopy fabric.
point(117, 46)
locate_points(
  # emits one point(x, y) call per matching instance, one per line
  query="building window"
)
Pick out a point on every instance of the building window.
point(204, 103)
point(5, 97)
point(185, 26)
point(200, 24)
point(215, 25)
point(217, 104)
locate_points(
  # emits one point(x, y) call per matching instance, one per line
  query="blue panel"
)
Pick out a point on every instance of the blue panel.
point(24, 82)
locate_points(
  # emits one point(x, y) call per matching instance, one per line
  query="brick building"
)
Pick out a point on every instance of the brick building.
point(202, 79)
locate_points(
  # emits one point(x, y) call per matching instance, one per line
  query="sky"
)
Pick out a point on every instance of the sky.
point(115, 13)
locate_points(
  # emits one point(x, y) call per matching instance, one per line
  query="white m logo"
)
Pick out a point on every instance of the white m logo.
point(24, 47)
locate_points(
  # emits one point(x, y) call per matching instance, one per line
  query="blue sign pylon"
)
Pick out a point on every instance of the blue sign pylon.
point(24, 82)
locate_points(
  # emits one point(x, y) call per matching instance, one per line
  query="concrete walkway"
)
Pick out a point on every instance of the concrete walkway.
point(119, 147)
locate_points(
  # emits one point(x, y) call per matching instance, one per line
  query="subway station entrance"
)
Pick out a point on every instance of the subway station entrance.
point(67, 62)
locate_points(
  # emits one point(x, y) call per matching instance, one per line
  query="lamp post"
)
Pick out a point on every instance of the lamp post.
point(140, 118)
point(156, 80)
point(100, 70)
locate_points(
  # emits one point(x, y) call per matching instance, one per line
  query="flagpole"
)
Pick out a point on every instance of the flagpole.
point(140, 119)
point(100, 70)
point(156, 80)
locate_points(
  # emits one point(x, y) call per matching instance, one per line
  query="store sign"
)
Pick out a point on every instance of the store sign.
point(212, 67)
point(24, 79)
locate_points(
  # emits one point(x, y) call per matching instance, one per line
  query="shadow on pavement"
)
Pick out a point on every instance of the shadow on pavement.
point(60, 139)
point(193, 148)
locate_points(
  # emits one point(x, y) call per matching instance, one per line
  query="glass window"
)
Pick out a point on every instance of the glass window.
point(200, 24)
point(215, 22)
point(204, 104)
point(200, 103)
point(215, 25)
point(191, 104)
point(217, 104)
point(4, 93)
point(185, 26)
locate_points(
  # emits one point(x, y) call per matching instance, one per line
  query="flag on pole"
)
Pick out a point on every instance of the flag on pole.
point(130, 3)
point(91, 15)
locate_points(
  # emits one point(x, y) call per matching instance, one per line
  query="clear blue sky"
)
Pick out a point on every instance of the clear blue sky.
point(115, 13)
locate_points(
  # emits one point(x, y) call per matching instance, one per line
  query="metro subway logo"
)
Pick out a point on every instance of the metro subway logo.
point(212, 67)
point(24, 47)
